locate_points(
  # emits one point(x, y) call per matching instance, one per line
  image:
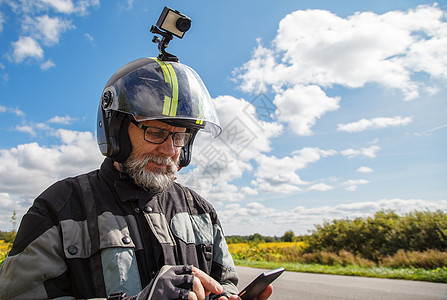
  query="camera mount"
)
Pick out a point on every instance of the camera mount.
point(170, 23)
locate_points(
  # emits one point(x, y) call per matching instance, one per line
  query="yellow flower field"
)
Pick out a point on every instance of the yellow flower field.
point(4, 247)
point(241, 247)
point(281, 251)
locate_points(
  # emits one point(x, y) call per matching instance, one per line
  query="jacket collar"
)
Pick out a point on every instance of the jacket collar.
point(125, 188)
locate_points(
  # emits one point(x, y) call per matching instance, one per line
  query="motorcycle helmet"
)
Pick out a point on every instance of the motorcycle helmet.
point(152, 89)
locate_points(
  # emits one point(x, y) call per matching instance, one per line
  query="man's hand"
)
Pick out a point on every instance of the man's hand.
point(186, 282)
point(203, 285)
point(262, 296)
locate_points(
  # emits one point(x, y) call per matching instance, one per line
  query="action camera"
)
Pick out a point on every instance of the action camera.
point(174, 22)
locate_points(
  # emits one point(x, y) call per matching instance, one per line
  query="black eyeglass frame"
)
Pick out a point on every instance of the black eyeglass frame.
point(188, 135)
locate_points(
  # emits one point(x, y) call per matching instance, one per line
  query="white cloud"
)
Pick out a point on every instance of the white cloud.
point(244, 134)
point(300, 106)
point(256, 208)
point(327, 50)
point(40, 25)
point(278, 175)
point(249, 191)
point(323, 187)
point(61, 120)
point(15, 111)
point(82, 6)
point(365, 170)
point(375, 123)
point(5, 200)
point(27, 169)
point(66, 7)
point(271, 221)
point(26, 47)
point(401, 206)
point(89, 38)
point(309, 155)
point(349, 52)
point(221, 192)
point(352, 184)
point(62, 6)
point(218, 162)
point(45, 28)
point(47, 65)
point(7, 206)
point(369, 152)
point(26, 129)
point(34, 128)
point(43, 126)
point(259, 71)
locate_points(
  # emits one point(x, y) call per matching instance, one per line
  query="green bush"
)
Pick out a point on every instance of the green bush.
point(384, 234)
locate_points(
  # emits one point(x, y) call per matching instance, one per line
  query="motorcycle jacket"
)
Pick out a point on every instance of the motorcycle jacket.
point(97, 234)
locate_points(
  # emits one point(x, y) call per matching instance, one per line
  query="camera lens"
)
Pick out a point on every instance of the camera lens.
point(183, 24)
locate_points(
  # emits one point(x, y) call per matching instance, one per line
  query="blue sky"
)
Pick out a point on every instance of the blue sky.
point(329, 109)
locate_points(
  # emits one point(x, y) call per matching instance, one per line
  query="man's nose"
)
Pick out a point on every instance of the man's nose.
point(167, 148)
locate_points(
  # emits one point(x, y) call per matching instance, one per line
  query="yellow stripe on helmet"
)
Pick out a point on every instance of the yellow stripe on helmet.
point(174, 85)
point(170, 104)
point(200, 116)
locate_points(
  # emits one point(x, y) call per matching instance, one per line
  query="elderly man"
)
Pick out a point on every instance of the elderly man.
point(128, 230)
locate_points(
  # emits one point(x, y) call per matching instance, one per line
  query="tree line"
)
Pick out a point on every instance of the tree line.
point(288, 236)
point(383, 234)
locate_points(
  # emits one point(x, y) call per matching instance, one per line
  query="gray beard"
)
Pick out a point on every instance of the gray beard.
point(157, 180)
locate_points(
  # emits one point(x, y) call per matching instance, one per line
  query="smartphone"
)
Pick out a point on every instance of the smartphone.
point(259, 284)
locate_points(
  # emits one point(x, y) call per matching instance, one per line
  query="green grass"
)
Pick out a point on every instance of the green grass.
point(435, 275)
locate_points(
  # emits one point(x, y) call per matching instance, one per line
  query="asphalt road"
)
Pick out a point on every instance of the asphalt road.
point(294, 285)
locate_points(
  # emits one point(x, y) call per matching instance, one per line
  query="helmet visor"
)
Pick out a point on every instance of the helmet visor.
point(164, 90)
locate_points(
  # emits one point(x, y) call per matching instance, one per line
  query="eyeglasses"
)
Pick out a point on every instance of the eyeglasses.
point(157, 135)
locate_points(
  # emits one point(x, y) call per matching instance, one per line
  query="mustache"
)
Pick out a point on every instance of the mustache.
point(161, 160)
point(143, 159)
